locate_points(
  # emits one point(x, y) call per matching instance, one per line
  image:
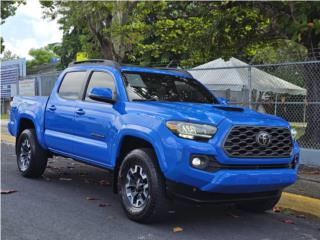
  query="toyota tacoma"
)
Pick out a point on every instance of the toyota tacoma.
point(161, 133)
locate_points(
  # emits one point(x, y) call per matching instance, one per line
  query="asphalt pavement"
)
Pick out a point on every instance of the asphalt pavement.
point(75, 201)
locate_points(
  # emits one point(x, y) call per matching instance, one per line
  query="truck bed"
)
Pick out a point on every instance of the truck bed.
point(31, 108)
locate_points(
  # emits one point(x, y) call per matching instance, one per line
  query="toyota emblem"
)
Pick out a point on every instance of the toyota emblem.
point(263, 138)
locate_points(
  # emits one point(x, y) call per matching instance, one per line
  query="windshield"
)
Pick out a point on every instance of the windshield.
point(142, 86)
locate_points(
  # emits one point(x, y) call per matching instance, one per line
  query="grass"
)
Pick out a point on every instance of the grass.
point(298, 124)
point(300, 127)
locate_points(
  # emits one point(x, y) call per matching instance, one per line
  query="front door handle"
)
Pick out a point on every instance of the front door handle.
point(80, 111)
point(52, 108)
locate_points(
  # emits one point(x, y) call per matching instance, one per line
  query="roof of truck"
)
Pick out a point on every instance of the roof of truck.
point(131, 68)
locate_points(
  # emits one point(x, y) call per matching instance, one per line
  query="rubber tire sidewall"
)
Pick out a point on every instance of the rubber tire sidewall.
point(38, 161)
point(157, 203)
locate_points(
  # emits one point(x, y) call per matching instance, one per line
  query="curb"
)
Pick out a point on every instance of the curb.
point(300, 203)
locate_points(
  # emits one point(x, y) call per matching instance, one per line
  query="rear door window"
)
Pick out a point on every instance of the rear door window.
point(71, 85)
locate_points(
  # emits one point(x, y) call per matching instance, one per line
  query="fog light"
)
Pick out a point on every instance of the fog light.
point(196, 162)
point(204, 162)
point(199, 162)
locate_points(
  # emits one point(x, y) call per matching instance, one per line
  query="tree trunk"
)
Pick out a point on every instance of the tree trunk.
point(120, 18)
point(96, 26)
point(106, 48)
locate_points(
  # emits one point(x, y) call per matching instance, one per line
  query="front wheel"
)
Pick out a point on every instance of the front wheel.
point(259, 206)
point(31, 157)
point(142, 187)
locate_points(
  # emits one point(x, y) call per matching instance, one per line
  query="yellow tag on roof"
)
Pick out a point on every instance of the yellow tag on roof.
point(82, 56)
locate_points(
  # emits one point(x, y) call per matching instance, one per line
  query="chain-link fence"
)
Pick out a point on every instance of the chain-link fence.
point(43, 83)
point(288, 90)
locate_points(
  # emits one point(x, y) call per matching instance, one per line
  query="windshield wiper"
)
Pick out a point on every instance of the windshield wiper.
point(142, 100)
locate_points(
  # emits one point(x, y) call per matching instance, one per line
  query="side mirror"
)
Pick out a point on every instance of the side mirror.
point(223, 100)
point(101, 95)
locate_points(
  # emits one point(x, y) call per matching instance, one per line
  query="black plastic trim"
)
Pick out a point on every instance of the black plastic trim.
point(213, 165)
point(192, 194)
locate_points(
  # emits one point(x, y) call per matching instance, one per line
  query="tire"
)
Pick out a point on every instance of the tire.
point(259, 206)
point(31, 157)
point(140, 203)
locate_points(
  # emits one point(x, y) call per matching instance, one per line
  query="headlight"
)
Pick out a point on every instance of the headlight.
point(191, 130)
point(293, 133)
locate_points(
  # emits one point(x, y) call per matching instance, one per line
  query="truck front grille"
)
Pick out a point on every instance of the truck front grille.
point(258, 142)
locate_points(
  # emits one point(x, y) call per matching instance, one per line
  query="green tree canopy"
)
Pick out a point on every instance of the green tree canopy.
point(180, 33)
point(41, 56)
point(191, 33)
point(93, 27)
point(8, 8)
point(1, 45)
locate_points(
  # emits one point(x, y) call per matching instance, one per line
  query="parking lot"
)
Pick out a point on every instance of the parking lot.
point(75, 201)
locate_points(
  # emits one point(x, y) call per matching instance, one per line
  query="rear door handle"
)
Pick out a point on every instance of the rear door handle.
point(80, 111)
point(52, 108)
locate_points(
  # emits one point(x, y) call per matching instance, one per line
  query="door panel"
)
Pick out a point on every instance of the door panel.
point(60, 113)
point(93, 130)
point(59, 124)
point(94, 122)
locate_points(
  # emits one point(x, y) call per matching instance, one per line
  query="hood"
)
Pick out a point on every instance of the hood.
point(206, 113)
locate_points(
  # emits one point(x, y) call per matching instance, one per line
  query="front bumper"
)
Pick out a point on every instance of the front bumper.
point(238, 181)
point(177, 167)
point(246, 181)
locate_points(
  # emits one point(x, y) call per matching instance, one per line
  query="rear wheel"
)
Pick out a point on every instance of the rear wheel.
point(259, 206)
point(142, 187)
point(31, 157)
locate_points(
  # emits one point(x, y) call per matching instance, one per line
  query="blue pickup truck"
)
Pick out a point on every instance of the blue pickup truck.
point(161, 133)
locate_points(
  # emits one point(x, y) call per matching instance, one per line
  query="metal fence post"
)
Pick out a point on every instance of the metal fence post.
point(17, 87)
point(250, 86)
point(304, 109)
point(40, 85)
point(276, 105)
